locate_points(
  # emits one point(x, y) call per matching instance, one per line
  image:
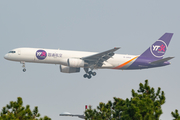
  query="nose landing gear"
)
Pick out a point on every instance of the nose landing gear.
point(24, 70)
point(23, 65)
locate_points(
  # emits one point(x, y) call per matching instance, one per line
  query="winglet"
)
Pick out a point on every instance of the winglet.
point(117, 47)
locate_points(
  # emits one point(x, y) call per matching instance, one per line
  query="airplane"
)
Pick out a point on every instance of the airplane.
point(72, 115)
point(82, 116)
point(72, 61)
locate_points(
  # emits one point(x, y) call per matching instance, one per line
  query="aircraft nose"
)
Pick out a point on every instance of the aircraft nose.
point(6, 56)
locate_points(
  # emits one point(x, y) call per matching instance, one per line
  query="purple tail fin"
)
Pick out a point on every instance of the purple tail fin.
point(158, 49)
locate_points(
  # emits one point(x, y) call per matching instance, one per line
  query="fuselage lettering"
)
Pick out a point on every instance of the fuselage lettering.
point(54, 55)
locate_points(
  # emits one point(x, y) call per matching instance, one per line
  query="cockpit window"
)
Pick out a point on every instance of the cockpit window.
point(12, 51)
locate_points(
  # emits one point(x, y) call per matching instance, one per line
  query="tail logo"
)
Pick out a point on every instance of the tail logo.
point(162, 48)
point(158, 49)
point(41, 54)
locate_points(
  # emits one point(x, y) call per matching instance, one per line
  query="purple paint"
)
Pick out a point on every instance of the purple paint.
point(153, 53)
point(41, 54)
point(158, 49)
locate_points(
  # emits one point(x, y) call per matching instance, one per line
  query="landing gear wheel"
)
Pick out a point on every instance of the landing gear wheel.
point(89, 76)
point(24, 70)
point(90, 72)
point(93, 73)
point(85, 75)
point(23, 66)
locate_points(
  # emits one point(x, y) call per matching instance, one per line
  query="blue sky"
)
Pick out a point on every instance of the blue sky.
point(93, 26)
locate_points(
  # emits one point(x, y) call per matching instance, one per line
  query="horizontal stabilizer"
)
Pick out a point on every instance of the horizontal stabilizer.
point(161, 61)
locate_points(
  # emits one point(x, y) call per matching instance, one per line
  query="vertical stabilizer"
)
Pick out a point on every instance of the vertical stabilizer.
point(158, 49)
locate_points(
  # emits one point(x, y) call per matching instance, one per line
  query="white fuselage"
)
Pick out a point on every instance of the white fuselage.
point(72, 61)
point(55, 56)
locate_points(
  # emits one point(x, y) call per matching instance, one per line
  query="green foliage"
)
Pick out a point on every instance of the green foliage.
point(16, 111)
point(145, 104)
point(175, 115)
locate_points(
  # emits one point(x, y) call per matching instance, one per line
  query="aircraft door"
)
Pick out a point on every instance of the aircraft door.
point(19, 52)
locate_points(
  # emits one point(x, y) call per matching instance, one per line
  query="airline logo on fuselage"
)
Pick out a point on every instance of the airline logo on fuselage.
point(41, 54)
point(158, 49)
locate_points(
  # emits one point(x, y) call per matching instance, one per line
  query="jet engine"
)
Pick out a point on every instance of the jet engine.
point(74, 62)
point(67, 69)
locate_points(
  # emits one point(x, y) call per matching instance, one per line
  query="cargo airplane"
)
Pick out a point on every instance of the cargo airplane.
point(72, 61)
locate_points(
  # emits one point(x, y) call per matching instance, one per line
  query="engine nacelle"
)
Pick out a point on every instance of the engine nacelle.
point(67, 69)
point(74, 62)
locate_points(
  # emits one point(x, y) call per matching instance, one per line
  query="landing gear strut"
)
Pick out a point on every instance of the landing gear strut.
point(23, 65)
point(88, 73)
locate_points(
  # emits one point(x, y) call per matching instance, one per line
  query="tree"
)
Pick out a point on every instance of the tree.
point(145, 104)
point(175, 115)
point(16, 111)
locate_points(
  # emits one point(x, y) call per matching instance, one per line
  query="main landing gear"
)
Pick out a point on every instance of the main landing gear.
point(88, 73)
point(23, 65)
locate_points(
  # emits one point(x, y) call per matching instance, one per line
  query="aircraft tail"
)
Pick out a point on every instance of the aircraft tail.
point(157, 50)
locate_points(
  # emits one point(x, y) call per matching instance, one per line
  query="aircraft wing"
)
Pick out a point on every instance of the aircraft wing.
point(97, 59)
point(161, 61)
